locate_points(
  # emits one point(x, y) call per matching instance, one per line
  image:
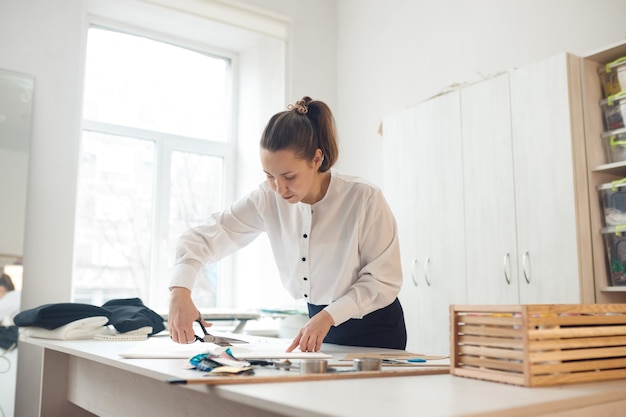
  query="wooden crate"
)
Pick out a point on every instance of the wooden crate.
point(539, 345)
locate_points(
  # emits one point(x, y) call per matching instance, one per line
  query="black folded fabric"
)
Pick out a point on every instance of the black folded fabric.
point(51, 316)
point(131, 314)
point(8, 336)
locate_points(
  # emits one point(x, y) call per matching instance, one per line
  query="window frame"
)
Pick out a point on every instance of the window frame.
point(165, 144)
point(259, 43)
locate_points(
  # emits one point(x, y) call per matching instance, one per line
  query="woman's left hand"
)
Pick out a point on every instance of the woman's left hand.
point(311, 336)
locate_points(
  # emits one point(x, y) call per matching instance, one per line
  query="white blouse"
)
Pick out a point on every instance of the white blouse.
point(342, 251)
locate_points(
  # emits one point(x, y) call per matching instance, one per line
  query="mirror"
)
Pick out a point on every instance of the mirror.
point(16, 102)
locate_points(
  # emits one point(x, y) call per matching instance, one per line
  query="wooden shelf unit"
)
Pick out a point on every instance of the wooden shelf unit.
point(600, 172)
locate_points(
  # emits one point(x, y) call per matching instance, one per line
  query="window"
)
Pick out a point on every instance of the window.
point(156, 144)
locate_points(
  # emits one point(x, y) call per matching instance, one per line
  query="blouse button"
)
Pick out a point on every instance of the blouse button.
point(305, 278)
point(305, 235)
point(306, 296)
point(303, 259)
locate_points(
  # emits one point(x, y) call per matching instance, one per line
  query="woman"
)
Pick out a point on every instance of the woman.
point(9, 300)
point(333, 237)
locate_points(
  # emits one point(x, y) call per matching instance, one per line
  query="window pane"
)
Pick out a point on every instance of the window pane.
point(196, 191)
point(137, 82)
point(113, 219)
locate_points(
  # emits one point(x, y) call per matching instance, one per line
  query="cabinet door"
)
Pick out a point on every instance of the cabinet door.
point(400, 181)
point(427, 193)
point(544, 182)
point(492, 270)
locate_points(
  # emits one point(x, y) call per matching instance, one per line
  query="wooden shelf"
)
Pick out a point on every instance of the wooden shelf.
point(614, 289)
point(618, 168)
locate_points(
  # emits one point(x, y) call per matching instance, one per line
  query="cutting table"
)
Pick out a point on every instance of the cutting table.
point(88, 377)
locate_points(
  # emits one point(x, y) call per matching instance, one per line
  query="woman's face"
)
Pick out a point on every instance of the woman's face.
point(292, 178)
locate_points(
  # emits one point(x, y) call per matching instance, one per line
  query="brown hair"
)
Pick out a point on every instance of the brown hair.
point(6, 282)
point(305, 127)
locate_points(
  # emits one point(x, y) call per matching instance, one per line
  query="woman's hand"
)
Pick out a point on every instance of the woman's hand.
point(182, 315)
point(311, 336)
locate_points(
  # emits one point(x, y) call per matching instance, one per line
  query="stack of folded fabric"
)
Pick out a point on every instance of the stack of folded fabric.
point(85, 328)
point(71, 321)
point(64, 321)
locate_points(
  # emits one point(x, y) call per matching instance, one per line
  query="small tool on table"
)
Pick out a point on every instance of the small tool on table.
point(218, 340)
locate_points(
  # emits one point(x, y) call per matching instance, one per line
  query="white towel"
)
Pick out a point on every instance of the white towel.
point(85, 328)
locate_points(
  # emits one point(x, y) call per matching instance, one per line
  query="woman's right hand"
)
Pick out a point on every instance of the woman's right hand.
point(182, 314)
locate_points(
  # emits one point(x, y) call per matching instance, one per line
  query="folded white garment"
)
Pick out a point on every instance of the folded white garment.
point(85, 328)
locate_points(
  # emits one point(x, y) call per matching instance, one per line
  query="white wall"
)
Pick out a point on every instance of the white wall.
point(13, 185)
point(396, 53)
point(43, 38)
point(312, 47)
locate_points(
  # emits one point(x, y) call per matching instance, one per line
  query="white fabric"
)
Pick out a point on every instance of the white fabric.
point(85, 328)
point(350, 257)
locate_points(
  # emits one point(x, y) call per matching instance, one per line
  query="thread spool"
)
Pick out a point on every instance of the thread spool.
point(314, 366)
point(367, 364)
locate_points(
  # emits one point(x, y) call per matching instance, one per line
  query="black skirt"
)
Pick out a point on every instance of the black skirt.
point(383, 328)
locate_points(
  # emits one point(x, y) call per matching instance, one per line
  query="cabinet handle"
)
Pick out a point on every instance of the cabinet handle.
point(525, 260)
point(413, 278)
point(507, 268)
point(426, 271)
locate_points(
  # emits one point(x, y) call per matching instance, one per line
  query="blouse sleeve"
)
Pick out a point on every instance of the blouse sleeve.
point(220, 235)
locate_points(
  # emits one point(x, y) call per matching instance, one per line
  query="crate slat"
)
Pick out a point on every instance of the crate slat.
point(497, 331)
point(485, 319)
point(577, 366)
point(504, 377)
point(570, 332)
point(491, 352)
point(579, 320)
point(479, 362)
point(581, 342)
point(501, 342)
point(576, 377)
point(577, 354)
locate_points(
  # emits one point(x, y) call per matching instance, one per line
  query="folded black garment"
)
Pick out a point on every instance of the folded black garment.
point(8, 336)
point(131, 314)
point(51, 316)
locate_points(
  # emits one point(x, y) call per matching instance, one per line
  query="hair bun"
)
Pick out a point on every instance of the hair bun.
point(300, 107)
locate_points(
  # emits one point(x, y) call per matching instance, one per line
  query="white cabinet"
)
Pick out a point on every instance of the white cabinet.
point(489, 187)
point(488, 167)
point(547, 133)
point(521, 180)
point(423, 169)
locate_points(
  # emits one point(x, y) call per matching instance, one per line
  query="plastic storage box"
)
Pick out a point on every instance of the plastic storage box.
point(614, 111)
point(615, 145)
point(615, 245)
point(613, 198)
point(613, 76)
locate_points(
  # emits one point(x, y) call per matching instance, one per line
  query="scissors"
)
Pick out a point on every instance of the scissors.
point(218, 340)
